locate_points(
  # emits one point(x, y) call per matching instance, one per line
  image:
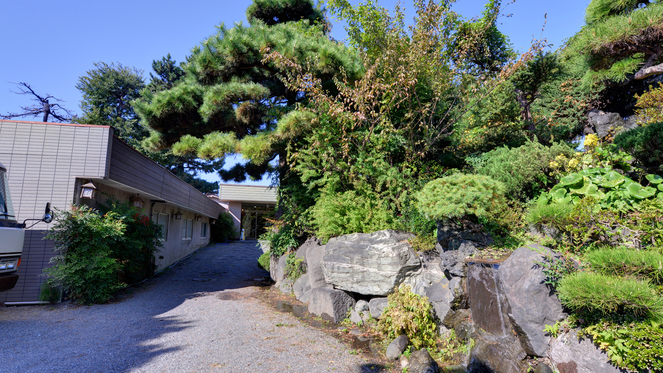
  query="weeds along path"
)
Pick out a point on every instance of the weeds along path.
point(201, 315)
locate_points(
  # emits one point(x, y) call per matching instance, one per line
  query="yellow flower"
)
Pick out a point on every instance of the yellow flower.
point(573, 163)
point(591, 141)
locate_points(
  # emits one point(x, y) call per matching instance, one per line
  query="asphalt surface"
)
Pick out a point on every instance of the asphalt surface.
point(201, 315)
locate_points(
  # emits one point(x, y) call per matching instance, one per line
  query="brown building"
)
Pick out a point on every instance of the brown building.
point(50, 162)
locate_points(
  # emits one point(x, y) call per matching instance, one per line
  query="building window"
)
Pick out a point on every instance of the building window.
point(162, 220)
point(203, 230)
point(187, 229)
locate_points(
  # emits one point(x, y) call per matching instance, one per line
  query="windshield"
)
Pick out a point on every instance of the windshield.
point(6, 209)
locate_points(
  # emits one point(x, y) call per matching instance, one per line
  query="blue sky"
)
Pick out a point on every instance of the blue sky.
point(50, 44)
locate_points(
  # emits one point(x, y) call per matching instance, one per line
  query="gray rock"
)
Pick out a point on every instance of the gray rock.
point(330, 304)
point(369, 263)
point(361, 306)
point(445, 295)
point(396, 347)
point(273, 265)
point(280, 269)
point(533, 304)
point(429, 274)
point(542, 368)
point(503, 355)
point(603, 124)
point(301, 286)
point(571, 355)
point(376, 306)
point(314, 256)
point(355, 317)
point(303, 249)
point(450, 235)
point(285, 286)
point(453, 261)
point(305, 298)
point(422, 362)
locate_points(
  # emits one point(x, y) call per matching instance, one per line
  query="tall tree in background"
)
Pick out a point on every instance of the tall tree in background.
point(44, 106)
point(231, 98)
point(108, 91)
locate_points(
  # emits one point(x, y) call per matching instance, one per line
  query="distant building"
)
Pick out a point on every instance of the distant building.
point(51, 162)
point(250, 206)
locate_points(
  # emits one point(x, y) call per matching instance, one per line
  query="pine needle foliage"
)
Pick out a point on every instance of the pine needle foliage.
point(623, 262)
point(525, 171)
point(460, 196)
point(609, 295)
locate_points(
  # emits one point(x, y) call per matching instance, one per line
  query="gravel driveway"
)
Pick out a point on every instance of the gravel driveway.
point(199, 316)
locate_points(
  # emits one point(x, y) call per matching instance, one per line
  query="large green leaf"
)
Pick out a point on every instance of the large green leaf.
point(571, 180)
point(660, 187)
point(558, 194)
point(654, 179)
point(586, 188)
point(611, 180)
point(641, 193)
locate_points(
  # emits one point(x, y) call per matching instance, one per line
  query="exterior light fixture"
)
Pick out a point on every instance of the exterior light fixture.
point(137, 202)
point(88, 190)
point(178, 216)
point(199, 218)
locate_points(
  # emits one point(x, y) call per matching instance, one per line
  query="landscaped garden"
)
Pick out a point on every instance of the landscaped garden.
point(440, 129)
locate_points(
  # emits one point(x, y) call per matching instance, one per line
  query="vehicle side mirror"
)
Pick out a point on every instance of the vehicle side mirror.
point(48, 216)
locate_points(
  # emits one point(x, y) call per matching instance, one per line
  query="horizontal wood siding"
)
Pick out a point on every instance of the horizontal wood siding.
point(43, 160)
point(247, 193)
point(134, 170)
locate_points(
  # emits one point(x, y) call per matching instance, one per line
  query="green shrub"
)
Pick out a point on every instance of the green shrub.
point(223, 229)
point(281, 241)
point(350, 212)
point(264, 260)
point(85, 268)
point(554, 214)
point(459, 196)
point(139, 241)
point(99, 253)
point(647, 264)
point(525, 171)
point(590, 225)
point(637, 345)
point(645, 144)
point(294, 267)
point(609, 295)
point(49, 292)
point(409, 314)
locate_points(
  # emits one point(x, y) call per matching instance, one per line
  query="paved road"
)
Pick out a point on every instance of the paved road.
point(199, 316)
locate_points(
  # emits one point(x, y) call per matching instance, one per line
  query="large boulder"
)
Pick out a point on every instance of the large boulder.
point(533, 305)
point(445, 295)
point(314, 256)
point(280, 274)
point(301, 287)
point(422, 362)
point(571, 355)
point(330, 304)
point(369, 263)
point(450, 235)
point(503, 355)
point(453, 261)
point(604, 124)
point(396, 347)
point(303, 249)
point(273, 264)
point(376, 306)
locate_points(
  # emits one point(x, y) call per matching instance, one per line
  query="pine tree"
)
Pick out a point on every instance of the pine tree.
point(232, 98)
